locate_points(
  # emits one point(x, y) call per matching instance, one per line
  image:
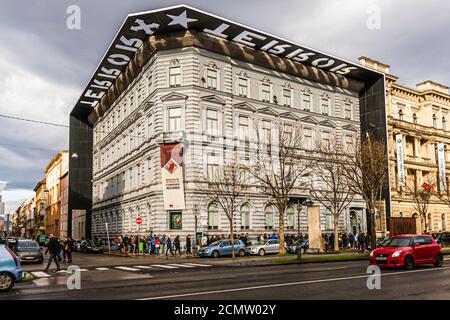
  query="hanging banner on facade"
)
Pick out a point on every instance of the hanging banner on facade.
point(172, 176)
point(400, 160)
point(441, 163)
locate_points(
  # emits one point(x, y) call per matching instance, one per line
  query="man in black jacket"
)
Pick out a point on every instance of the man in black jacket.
point(53, 247)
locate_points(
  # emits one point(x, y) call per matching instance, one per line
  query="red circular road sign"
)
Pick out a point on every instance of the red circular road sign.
point(138, 220)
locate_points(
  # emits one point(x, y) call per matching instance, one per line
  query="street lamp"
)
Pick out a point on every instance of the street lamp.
point(196, 213)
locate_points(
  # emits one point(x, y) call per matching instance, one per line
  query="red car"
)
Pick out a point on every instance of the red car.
point(408, 251)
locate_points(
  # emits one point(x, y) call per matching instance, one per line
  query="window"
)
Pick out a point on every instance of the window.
point(175, 76)
point(212, 166)
point(325, 105)
point(267, 133)
point(306, 101)
point(243, 87)
point(444, 124)
point(174, 119)
point(290, 213)
point(307, 133)
point(400, 114)
point(176, 222)
point(211, 79)
point(149, 84)
point(268, 214)
point(245, 217)
point(434, 121)
point(414, 118)
point(443, 222)
point(130, 177)
point(243, 127)
point(326, 138)
point(213, 216)
point(349, 142)
point(212, 121)
point(265, 92)
point(287, 97)
point(348, 111)
point(329, 220)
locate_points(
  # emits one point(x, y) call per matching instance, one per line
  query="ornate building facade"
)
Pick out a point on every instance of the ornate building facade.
point(420, 116)
point(185, 95)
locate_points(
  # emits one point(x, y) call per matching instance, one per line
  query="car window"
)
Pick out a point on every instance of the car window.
point(237, 242)
point(423, 240)
point(27, 245)
point(226, 243)
point(398, 242)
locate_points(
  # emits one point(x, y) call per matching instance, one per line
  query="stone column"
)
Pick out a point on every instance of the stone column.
point(314, 230)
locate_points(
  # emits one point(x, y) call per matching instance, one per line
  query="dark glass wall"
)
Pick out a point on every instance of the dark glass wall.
point(80, 170)
point(372, 101)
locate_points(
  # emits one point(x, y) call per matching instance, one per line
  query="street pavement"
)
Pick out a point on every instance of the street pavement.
point(152, 278)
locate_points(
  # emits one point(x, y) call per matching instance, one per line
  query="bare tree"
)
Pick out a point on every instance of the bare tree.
point(332, 187)
point(422, 196)
point(368, 172)
point(276, 163)
point(223, 186)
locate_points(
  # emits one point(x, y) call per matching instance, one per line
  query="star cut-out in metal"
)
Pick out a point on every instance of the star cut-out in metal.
point(182, 20)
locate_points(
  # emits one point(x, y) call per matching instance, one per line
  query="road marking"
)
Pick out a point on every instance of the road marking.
point(199, 265)
point(181, 265)
point(40, 274)
point(142, 267)
point(127, 268)
point(164, 266)
point(285, 284)
point(101, 269)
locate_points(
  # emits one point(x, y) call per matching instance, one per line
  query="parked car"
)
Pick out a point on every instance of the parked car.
point(28, 251)
point(304, 245)
point(444, 239)
point(408, 251)
point(10, 271)
point(2, 240)
point(266, 247)
point(223, 248)
point(10, 243)
point(90, 246)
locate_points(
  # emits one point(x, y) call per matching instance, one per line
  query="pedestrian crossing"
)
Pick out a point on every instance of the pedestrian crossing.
point(131, 268)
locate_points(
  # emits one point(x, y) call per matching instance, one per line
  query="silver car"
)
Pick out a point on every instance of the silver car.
point(266, 247)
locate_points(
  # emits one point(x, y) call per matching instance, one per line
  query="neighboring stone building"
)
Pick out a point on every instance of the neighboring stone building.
point(193, 93)
point(40, 198)
point(55, 170)
point(64, 204)
point(421, 116)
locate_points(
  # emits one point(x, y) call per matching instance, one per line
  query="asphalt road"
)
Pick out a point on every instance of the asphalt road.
point(321, 281)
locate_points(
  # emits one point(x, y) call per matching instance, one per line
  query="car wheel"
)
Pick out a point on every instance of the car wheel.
point(241, 253)
point(439, 260)
point(6, 281)
point(261, 252)
point(215, 254)
point(409, 262)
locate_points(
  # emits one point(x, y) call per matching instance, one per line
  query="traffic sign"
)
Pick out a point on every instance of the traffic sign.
point(138, 220)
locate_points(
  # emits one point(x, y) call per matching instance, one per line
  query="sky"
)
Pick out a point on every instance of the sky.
point(44, 66)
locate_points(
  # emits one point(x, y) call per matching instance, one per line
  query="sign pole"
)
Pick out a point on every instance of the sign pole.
point(107, 235)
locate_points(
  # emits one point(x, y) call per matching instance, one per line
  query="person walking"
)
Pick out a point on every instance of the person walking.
point(68, 248)
point(188, 244)
point(177, 244)
point(53, 248)
point(156, 245)
point(162, 243)
point(169, 246)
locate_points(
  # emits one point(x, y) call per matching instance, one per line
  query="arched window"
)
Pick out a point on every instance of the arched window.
point(418, 227)
point(414, 118)
point(245, 216)
point(268, 214)
point(444, 223)
point(149, 223)
point(430, 224)
point(434, 121)
point(290, 214)
point(378, 220)
point(213, 216)
point(400, 114)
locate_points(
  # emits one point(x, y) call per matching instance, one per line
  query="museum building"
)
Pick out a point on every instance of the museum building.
point(174, 89)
